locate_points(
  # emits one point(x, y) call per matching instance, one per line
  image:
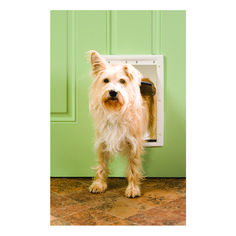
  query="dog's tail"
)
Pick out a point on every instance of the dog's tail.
point(151, 101)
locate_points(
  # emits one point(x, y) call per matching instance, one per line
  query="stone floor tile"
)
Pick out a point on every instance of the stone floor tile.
point(66, 185)
point(90, 217)
point(123, 207)
point(59, 222)
point(155, 216)
point(61, 206)
point(92, 199)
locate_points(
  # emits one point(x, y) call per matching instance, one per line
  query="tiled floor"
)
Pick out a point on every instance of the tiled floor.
point(163, 202)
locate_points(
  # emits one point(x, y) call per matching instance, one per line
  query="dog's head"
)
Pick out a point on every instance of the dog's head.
point(115, 86)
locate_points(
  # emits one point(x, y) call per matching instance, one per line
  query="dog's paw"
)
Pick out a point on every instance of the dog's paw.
point(98, 187)
point(132, 191)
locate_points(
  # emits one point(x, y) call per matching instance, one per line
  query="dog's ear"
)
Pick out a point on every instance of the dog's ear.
point(132, 73)
point(97, 62)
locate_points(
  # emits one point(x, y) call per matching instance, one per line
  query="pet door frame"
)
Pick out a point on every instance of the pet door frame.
point(158, 62)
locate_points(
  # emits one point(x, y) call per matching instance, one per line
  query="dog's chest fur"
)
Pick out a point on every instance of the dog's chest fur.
point(114, 133)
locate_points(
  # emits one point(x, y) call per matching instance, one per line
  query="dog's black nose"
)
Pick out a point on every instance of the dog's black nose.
point(112, 93)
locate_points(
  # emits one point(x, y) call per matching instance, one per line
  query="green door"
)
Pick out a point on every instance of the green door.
point(73, 33)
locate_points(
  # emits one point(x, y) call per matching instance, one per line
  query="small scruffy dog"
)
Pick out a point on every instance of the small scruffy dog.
point(121, 116)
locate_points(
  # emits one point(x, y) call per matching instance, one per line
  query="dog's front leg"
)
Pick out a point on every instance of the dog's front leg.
point(100, 183)
point(134, 176)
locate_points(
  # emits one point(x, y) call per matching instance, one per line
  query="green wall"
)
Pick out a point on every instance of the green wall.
point(73, 33)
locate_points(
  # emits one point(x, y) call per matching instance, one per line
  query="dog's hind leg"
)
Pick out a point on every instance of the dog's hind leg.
point(100, 182)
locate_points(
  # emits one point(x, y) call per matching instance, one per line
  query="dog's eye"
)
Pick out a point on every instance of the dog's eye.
point(106, 80)
point(122, 81)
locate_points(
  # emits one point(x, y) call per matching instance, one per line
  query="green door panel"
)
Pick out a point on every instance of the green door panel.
point(63, 66)
point(131, 32)
point(73, 33)
point(59, 45)
point(91, 29)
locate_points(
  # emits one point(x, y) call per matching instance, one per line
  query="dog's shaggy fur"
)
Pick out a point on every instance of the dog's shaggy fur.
point(121, 116)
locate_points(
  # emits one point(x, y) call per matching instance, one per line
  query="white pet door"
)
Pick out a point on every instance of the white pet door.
point(152, 67)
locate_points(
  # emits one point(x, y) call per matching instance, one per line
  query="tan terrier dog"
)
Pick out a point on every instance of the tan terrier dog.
point(121, 116)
